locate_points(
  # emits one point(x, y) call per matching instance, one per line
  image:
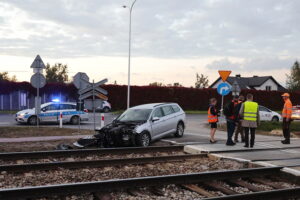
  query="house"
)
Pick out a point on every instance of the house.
point(267, 83)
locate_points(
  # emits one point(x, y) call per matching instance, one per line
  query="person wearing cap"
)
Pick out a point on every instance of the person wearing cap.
point(286, 115)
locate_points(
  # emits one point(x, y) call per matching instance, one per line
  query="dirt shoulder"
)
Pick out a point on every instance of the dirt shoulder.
point(17, 132)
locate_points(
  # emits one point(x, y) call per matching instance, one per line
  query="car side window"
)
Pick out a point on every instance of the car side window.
point(158, 113)
point(263, 109)
point(167, 110)
point(175, 108)
point(67, 107)
point(51, 107)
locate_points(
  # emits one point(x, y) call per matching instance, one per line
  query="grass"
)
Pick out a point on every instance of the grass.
point(270, 126)
point(196, 112)
point(25, 131)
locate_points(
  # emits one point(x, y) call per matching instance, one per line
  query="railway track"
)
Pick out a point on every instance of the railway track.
point(97, 163)
point(86, 152)
point(201, 183)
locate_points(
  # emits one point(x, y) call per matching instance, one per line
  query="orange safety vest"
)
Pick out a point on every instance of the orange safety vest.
point(212, 118)
point(287, 109)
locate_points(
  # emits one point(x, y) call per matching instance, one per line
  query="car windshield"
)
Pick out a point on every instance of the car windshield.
point(134, 115)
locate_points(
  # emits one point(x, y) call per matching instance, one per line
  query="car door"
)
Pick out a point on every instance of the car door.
point(67, 111)
point(170, 118)
point(158, 127)
point(50, 113)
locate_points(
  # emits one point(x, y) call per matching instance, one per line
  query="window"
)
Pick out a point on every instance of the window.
point(158, 113)
point(175, 108)
point(51, 107)
point(268, 88)
point(261, 108)
point(167, 110)
point(67, 107)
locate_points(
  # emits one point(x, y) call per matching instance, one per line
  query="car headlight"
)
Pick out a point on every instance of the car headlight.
point(21, 115)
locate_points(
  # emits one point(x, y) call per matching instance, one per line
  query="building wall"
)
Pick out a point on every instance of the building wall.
point(270, 82)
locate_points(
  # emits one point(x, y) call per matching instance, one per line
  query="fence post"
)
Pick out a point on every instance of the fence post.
point(60, 119)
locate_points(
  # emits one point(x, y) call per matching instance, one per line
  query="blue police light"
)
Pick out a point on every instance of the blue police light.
point(56, 100)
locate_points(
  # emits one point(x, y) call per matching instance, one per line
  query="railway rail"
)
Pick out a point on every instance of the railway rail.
point(97, 163)
point(192, 182)
point(85, 152)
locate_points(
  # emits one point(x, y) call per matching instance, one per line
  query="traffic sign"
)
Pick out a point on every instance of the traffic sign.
point(38, 80)
point(103, 97)
point(223, 89)
point(95, 87)
point(38, 63)
point(81, 80)
point(224, 74)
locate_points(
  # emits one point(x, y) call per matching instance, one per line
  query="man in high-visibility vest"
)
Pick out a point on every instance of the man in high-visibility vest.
point(249, 112)
point(286, 115)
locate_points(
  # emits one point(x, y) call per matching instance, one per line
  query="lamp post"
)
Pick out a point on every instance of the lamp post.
point(129, 52)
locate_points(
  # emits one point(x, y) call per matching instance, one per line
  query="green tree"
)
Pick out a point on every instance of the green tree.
point(58, 73)
point(5, 77)
point(293, 80)
point(201, 81)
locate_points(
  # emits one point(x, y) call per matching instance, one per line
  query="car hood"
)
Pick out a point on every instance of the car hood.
point(27, 111)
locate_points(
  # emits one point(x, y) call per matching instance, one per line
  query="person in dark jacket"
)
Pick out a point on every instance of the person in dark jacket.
point(212, 118)
point(231, 114)
point(239, 129)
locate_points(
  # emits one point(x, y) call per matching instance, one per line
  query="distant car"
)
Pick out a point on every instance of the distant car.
point(50, 112)
point(140, 125)
point(106, 107)
point(266, 114)
point(296, 112)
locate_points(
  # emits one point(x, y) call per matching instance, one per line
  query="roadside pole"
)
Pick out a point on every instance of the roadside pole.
point(60, 119)
point(102, 120)
point(94, 110)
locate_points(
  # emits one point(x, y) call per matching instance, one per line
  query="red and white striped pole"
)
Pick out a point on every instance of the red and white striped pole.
point(60, 120)
point(102, 120)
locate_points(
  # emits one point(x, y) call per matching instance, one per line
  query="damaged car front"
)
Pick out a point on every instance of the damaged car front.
point(126, 130)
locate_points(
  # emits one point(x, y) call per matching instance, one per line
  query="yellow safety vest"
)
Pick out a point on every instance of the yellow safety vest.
point(250, 111)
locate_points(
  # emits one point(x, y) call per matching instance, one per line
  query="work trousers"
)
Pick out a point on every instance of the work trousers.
point(252, 133)
point(239, 130)
point(230, 131)
point(286, 129)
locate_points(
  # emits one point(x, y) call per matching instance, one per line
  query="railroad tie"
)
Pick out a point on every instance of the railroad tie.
point(217, 186)
point(245, 184)
point(266, 182)
point(197, 189)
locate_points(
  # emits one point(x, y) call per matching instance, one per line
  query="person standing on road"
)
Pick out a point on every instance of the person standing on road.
point(212, 118)
point(286, 115)
point(249, 112)
point(239, 129)
point(231, 118)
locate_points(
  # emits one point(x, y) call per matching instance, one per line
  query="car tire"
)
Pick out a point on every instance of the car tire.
point(32, 120)
point(143, 139)
point(106, 109)
point(275, 119)
point(74, 120)
point(179, 130)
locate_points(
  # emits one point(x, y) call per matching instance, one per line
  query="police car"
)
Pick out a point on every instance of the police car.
point(266, 114)
point(50, 112)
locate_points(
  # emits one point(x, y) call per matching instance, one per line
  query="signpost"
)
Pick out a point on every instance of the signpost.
point(87, 89)
point(38, 81)
point(224, 88)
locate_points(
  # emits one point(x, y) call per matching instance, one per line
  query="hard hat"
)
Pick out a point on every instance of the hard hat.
point(286, 95)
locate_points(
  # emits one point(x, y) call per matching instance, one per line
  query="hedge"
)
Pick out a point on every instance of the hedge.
point(188, 98)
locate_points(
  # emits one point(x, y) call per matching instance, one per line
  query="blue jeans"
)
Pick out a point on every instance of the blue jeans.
point(230, 131)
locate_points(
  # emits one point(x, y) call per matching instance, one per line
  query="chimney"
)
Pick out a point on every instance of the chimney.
point(238, 76)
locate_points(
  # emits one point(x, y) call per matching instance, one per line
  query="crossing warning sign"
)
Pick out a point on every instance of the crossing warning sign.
point(224, 74)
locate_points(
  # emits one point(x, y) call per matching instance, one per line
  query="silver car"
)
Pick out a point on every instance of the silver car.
point(140, 125)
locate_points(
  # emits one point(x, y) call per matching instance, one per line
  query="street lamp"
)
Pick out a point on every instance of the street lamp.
point(129, 52)
point(235, 89)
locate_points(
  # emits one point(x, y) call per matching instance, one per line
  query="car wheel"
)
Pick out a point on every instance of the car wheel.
point(32, 120)
point(106, 109)
point(275, 119)
point(143, 139)
point(75, 120)
point(179, 130)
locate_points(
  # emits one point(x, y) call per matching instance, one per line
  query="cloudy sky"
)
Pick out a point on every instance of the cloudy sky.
point(172, 40)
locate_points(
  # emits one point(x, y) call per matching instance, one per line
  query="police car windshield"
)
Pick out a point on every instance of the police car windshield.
point(134, 115)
